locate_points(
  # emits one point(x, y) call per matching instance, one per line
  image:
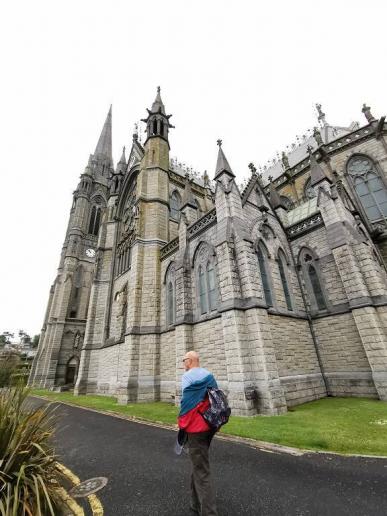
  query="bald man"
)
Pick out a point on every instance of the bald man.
point(194, 384)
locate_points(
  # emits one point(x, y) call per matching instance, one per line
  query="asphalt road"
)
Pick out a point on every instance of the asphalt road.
point(147, 478)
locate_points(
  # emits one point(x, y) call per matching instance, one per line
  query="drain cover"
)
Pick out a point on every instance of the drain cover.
point(88, 487)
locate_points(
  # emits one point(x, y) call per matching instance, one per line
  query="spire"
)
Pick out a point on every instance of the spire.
point(104, 145)
point(158, 105)
point(157, 122)
point(121, 165)
point(123, 157)
point(317, 174)
point(222, 163)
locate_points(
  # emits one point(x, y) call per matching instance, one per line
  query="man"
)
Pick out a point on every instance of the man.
point(195, 382)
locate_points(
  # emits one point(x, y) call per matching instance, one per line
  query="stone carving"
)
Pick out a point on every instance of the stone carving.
point(367, 113)
point(78, 341)
point(122, 308)
point(317, 136)
point(285, 161)
point(169, 248)
point(203, 223)
point(305, 225)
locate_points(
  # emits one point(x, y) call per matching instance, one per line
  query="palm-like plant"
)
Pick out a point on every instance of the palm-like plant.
point(28, 478)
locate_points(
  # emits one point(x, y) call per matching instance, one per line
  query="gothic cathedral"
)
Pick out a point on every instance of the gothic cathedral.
point(280, 285)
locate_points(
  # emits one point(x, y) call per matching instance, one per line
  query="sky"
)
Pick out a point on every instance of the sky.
point(247, 72)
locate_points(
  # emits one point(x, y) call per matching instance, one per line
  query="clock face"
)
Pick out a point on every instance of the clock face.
point(90, 253)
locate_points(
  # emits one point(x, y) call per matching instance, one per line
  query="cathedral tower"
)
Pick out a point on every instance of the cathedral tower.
point(63, 329)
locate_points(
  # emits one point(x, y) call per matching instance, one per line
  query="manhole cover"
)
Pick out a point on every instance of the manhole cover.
point(88, 487)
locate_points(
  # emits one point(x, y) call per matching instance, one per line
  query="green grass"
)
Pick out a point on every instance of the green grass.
point(343, 425)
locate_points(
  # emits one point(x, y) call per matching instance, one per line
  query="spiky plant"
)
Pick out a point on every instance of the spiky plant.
point(28, 477)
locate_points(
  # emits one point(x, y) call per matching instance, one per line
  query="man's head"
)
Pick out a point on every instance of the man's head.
point(190, 360)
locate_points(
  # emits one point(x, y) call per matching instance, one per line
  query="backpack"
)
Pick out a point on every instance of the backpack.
point(219, 411)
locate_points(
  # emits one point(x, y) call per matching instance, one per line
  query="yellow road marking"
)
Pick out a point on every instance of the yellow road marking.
point(93, 500)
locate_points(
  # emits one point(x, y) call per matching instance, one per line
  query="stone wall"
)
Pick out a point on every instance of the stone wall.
point(167, 366)
point(208, 342)
point(343, 357)
point(297, 361)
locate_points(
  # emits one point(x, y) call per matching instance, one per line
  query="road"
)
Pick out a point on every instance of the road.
point(147, 478)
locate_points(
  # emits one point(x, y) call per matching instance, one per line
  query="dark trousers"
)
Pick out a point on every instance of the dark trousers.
point(202, 495)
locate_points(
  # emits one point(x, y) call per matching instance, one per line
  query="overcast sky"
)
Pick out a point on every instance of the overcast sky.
point(248, 72)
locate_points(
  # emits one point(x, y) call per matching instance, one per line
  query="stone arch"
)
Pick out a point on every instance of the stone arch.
point(169, 270)
point(201, 246)
point(71, 373)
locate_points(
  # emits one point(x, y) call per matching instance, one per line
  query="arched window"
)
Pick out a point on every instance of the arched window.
point(312, 277)
point(284, 280)
point(170, 304)
point(175, 203)
point(154, 127)
point(369, 187)
point(170, 295)
point(161, 128)
point(95, 219)
point(211, 282)
point(206, 280)
point(262, 261)
point(202, 291)
point(315, 282)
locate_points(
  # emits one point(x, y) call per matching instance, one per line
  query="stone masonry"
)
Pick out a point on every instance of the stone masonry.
point(280, 286)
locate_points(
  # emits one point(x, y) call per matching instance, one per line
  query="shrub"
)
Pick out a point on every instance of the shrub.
point(28, 478)
point(7, 369)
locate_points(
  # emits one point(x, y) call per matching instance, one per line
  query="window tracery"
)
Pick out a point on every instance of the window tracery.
point(369, 187)
point(175, 203)
point(206, 280)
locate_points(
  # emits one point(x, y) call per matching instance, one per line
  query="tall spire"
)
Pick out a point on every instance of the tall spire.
point(222, 163)
point(104, 145)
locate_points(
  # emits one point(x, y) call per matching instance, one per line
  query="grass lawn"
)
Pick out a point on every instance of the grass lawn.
point(343, 425)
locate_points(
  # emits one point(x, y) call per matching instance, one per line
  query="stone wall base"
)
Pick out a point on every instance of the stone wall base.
point(303, 388)
point(351, 384)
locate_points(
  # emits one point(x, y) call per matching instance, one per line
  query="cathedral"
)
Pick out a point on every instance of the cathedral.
point(280, 285)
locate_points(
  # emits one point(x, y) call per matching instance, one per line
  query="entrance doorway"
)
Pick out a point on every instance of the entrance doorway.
point(71, 371)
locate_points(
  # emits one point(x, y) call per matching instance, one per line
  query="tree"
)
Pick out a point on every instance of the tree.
point(5, 338)
point(35, 341)
point(24, 337)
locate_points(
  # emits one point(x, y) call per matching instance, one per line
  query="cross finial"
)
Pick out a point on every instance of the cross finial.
point(253, 168)
point(309, 149)
point(219, 142)
point(158, 89)
point(270, 178)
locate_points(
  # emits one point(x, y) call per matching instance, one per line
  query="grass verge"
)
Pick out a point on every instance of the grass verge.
point(342, 425)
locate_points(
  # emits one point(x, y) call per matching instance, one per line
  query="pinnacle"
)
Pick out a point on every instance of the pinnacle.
point(222, 164)
point(158, 103)
point(104, 145)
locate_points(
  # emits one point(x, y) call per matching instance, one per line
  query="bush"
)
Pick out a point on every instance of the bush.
point(28, 477)
point(8, 366)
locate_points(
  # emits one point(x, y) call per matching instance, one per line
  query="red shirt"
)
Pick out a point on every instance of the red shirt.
point(193, 421)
